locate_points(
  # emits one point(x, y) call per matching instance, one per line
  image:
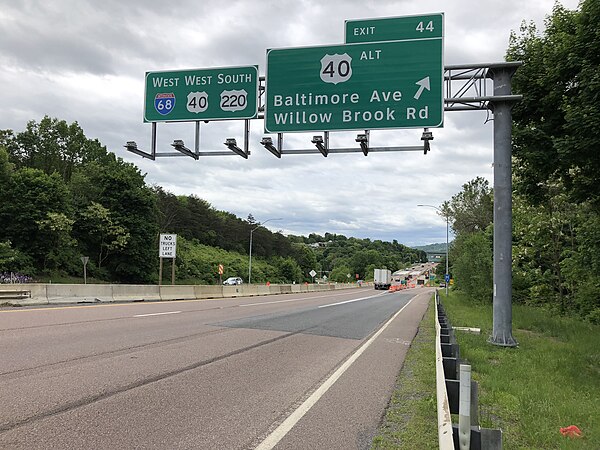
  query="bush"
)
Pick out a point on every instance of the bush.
point(472, 267)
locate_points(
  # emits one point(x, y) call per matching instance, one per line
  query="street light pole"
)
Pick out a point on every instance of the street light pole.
point(250, 251)
point(250, 258)
point(447, 227)
point(447, 268)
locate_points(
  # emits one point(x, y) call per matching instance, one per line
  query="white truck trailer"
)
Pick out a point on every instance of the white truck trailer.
point(383, 279)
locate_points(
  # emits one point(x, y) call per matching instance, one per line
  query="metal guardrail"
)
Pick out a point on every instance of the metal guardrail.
point(14, 294)
point(445, 438)
point(457, 394)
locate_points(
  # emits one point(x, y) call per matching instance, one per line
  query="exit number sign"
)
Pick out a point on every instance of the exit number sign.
point(430, 26)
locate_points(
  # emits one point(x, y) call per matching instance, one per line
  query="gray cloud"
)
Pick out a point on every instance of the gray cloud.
point(85, 61)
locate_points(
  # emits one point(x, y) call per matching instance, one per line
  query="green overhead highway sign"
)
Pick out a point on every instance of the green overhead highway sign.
point(395, 28)
point(373, 85)
point(201, 94)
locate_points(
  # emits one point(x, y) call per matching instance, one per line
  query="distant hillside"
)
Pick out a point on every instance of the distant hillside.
point(63, 195)
point(433, 248)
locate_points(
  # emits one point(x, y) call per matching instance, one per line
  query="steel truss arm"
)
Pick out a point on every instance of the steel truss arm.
point(467, 87)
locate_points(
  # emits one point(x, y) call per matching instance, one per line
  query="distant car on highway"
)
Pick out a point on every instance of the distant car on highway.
point(233, 281)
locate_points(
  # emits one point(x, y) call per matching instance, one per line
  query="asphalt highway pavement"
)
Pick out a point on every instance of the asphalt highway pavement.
point(296, 371)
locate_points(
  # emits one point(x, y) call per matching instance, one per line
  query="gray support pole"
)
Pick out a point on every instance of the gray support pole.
point(197, 140)
point(160, 272)
point(502, 303)
point(250, 259)
point(153, 151)
point(247, 136)
point(173, 271)
point(447, 269)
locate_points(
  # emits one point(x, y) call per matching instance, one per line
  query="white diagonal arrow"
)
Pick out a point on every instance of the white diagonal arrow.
point(423, 84)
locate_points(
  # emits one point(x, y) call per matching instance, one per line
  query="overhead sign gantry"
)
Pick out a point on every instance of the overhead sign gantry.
point(389, 74)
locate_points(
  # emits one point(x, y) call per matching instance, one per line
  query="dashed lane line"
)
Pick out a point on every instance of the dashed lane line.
point(285, 427)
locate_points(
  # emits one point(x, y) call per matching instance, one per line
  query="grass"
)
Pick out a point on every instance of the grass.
point(551, 380)
point(410, 421)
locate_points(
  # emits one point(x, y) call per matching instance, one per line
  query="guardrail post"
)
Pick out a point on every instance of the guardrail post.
point(464, 412)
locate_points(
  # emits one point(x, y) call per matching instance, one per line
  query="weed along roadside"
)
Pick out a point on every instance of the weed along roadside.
point(550, 381)
point(410, 419)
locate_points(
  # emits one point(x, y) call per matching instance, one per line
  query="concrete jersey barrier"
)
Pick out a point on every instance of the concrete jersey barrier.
point(44, 294)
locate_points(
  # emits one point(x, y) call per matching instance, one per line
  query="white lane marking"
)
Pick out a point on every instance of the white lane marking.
point(284, 428)
point(292, 300)
point(278, 301)
point(354, 300)
point(157, 314)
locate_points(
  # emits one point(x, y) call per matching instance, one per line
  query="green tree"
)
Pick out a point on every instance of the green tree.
point(472, 264)
point(6, 168)
point(556, 166)
point(57, 229)
point(364, 258)
point(472, 209)
point(289, 270)
point(470, 214)
point(7, 256)
point(172, 212)
point(340, 274)
point(581, 265)
point(306, 259)
point(12, 260)
point(27, 200)
point(104, 230)
point(440, 270)
point(120, 188)
point(556, 125)
point(555, 257)
point(52, 145)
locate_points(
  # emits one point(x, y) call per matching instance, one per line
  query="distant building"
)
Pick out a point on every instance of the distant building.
point(435, 256)
point(320, 244)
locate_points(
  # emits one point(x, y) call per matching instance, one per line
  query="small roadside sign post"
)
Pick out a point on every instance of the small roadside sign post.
point(221, 269)
point(312, 273)
point(84, 260)
point(167, 248)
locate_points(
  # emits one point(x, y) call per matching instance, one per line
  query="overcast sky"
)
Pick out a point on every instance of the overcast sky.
point(85, 61)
